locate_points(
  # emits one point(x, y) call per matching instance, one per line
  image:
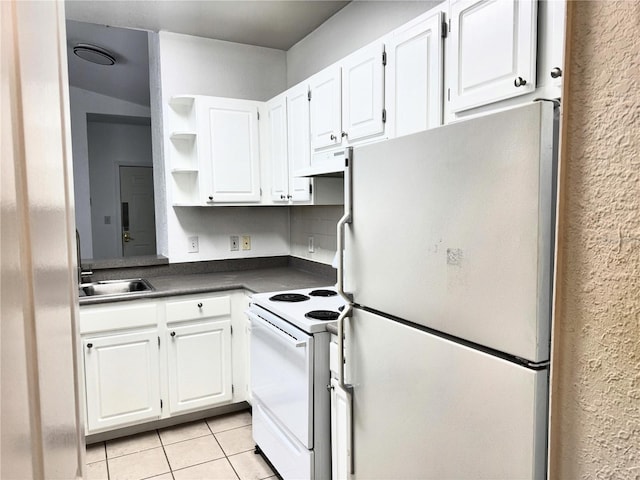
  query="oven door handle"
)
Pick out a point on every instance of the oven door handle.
point(275, 332)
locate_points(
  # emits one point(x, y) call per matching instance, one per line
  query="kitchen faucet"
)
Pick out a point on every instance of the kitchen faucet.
point(81, 272)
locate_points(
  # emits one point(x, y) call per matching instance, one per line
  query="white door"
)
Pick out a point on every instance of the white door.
point(277, 113)
point(298, 141)
point(231, 148)
point(199, 365)
point(122, 379)
point(340, 422)
point(325, 108)
point(414, 76)
point(493, 51)
point(425, 407)
point(138, 216)
point(363, 93)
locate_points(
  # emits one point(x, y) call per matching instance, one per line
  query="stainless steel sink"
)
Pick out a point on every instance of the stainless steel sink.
point(115, 287)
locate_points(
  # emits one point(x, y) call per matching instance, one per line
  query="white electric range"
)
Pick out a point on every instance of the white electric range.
point(290, 378)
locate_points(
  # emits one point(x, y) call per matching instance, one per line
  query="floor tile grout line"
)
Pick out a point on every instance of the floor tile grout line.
point(165, 454)
point(106, 460)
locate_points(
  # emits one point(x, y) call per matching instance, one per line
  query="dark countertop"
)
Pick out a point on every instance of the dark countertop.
point(256, 280)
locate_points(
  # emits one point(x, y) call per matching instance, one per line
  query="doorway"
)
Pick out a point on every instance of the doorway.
point(137, 217)
point(120, 163)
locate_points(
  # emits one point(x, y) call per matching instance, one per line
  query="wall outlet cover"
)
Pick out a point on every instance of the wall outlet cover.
point(311, 245)
point(234, 243)
point(246, 242)
point(192, 244)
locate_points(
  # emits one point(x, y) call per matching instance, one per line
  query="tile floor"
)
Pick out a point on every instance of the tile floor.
point(219, 448)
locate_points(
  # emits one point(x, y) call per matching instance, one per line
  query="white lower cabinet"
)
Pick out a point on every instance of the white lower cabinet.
point(340, 418)
point(199, 353)
point(339, 432)
point(122, 379)
point(148, 360)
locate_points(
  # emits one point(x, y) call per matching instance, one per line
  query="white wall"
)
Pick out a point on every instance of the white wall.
point(193, 65)
point(112, 145)
point(81, 103)
point(319, 222)
point(356, 25)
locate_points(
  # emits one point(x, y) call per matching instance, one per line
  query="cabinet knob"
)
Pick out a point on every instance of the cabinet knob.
point(556, 72)
point(345, 134)
point(289, 197)
point(173, 334)
point(282, 197)
point(519, 82)
point(200, 305)
point(330, 387)
point(89, 345)
point(211, 198)
point(333, 137)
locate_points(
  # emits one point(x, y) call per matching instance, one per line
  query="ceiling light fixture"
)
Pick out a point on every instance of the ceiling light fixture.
point(94, 54)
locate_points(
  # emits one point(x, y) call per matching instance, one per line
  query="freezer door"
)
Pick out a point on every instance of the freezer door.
point(453, 228)
point(428, 408)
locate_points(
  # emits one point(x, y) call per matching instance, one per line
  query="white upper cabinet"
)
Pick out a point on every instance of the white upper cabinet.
point(492, 54)
point(325, 109)
point(299, 150)
point(347, 100)
point(363, 93)
point(414, 75)
point(277, 134)
point(230, 150)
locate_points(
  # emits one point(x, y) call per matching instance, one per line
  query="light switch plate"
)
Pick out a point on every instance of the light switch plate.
point(234, 243)
point(246, 242)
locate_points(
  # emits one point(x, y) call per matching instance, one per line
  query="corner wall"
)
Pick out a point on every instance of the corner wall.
point(201, 66)
point(595, 409)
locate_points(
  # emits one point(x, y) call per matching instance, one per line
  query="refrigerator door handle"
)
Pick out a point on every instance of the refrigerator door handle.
point(347, 389)
point(344, 220)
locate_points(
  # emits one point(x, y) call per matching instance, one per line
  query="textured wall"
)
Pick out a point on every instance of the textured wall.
point(595, 425)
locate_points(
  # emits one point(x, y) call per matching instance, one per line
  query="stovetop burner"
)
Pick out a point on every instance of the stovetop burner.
point(289, 297)
point(323, 293)
point(326, 315)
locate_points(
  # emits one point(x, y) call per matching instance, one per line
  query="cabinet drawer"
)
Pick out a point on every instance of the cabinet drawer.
point(195, 308)
point(94, 319)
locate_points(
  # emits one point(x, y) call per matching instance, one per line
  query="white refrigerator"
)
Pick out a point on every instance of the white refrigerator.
point(447, 258)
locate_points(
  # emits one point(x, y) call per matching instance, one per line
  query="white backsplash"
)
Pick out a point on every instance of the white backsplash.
point(320, 223)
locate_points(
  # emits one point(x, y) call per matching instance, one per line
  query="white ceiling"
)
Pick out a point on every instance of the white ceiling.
point(273, 24)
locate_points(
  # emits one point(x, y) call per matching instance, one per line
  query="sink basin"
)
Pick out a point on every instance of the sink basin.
point(115, 287)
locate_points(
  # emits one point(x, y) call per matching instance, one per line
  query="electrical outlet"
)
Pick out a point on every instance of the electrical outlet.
point(234, 243)
point(246, 242)
point(311, 245)
point(192, 243)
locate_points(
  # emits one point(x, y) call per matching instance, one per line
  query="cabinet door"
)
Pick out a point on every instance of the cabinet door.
point(231, 147)
point(363, 93)
point(493, 51)
point(414, 76)
point(121, 379)
point(199, 365)
point(326, 120)
point(277, 112)
point(340, 421)
point(298, 142)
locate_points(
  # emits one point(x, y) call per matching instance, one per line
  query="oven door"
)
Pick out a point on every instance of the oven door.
point(282, 372)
